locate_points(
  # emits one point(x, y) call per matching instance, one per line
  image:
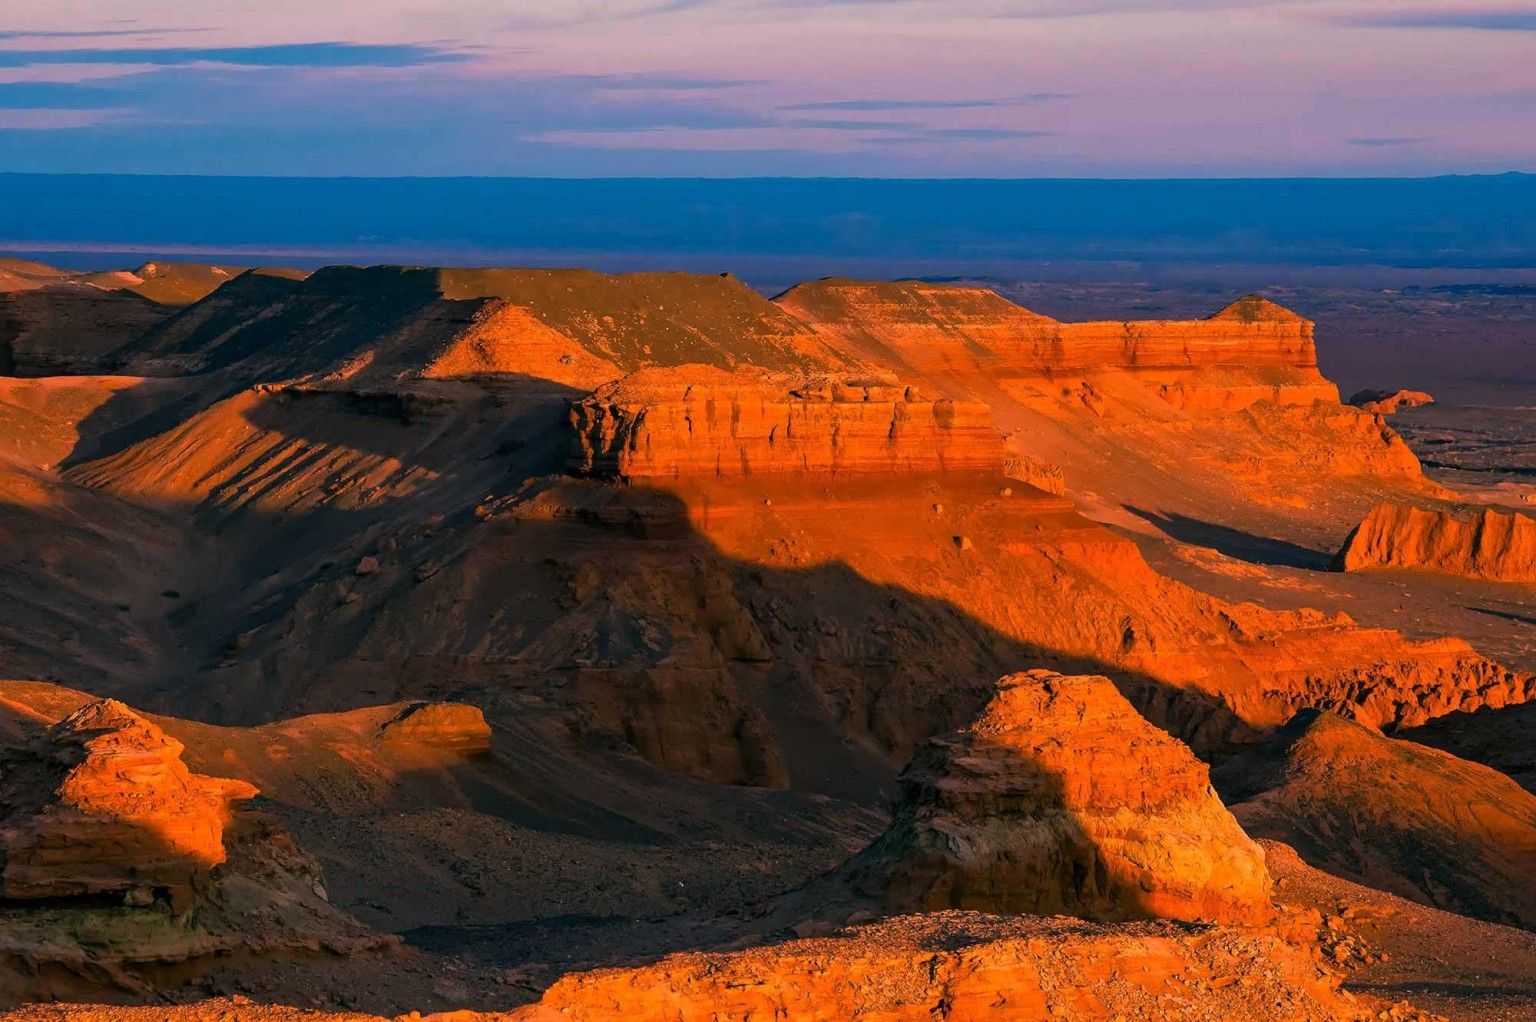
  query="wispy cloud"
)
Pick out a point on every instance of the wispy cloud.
point(319, 55)
point(832, 124)
point(1382, 143)
point(9, 35)
point(928, 104)
point(54, 96)
point(985, 134)
point(1484, 20)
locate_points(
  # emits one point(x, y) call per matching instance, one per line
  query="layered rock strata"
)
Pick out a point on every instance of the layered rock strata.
point(701, 423)
point(933, 324)
point(1486, 543)
point(1060, 798)
point(105, 804)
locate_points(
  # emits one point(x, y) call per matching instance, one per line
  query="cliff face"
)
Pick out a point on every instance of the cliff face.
point(1060, 798)
point(925, 325)
point(1492, 544)
point(697, 423)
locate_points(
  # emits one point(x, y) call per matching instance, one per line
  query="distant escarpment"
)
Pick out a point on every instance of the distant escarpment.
point(1393, 815)
point(56, 322)
point(930, 326)
point(1060, 798)
point(385, 324)
point(1486, 543)
point(698, 422)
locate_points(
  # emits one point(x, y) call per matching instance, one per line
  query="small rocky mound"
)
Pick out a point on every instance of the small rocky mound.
point(1392, 815)
point(1387, 402)
point(452, 726)
point(104, 803)
point(1060, 798)
point(1256, 309)
point(1487, 543)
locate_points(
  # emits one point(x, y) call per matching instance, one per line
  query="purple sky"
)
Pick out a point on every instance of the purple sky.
point(1120, 88)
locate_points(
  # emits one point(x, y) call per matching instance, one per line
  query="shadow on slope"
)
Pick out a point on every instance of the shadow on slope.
point(1244, 546)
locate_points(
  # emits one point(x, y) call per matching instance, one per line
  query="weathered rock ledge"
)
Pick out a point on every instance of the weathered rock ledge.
point(697, 422)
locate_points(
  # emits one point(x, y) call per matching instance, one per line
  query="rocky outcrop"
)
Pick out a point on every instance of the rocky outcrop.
point(1060, 798)
point(702, 423)
point(1392, 815)
point(1388, 402)
point(960, 966)
point(116, 860)
point(452, 726)
point(1486, 543)
point(104, 804)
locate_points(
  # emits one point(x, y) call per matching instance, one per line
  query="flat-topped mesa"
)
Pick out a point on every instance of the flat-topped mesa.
point(103, 803)
point(934, 325)
point(1486, 543)
point(382, 324)
point(702, 423)
point(1060, 798)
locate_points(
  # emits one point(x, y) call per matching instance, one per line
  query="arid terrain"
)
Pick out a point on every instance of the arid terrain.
point(549, 644)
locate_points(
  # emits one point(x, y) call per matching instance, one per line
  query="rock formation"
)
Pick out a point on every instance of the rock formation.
point(699, 422)
point(105, 804)
point(440, 725)
point(1388, 402)
point(1393, 815)
point(962, 966)
point(1486, 543)
point(925, 324)
point(1060, 798)
point(114, 857)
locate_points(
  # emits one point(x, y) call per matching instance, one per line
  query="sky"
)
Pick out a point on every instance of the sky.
point(733, 88)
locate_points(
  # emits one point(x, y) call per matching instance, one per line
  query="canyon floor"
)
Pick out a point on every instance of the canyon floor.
point(555, 644)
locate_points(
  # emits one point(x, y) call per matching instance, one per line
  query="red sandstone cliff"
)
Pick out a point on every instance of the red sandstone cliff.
point(1486, 543)
point(698, 422)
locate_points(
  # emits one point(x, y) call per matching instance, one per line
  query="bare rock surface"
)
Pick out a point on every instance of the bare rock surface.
point(1060, 798)
point(1476, 542)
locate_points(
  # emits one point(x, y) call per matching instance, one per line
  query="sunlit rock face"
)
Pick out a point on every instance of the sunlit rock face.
point(102, 802)
point(696, 422)
point(1060, 798)
point(1485, 543)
